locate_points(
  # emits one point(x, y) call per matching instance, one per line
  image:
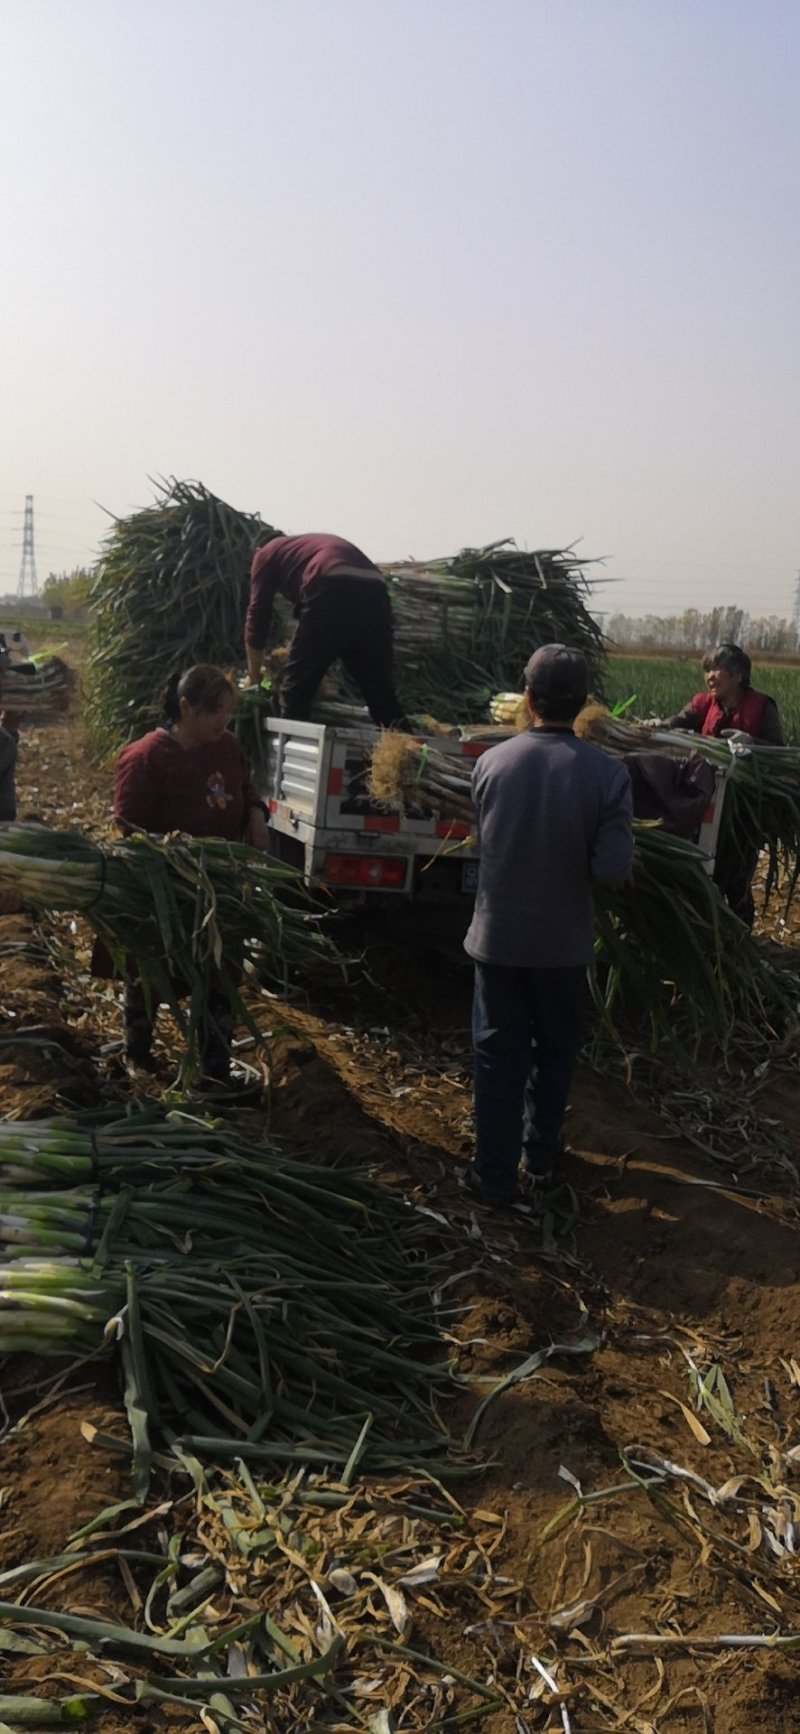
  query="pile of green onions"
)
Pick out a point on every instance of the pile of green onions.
point(266, 1307)
point(673, 965)
point(43, 693)
point(171, 590)
point(186, 909)
point(465, 626)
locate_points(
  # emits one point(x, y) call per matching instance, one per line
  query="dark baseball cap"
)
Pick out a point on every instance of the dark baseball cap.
point(557, 672)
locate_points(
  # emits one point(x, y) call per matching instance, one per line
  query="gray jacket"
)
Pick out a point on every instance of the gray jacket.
point(554, 816)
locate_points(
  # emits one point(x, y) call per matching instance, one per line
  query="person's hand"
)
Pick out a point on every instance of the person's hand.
point(257, 829)
point(653, 722)
point(10, 901)
point(737, 737)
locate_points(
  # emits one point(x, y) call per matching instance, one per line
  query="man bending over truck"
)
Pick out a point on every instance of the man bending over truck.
point(553, 818)
point(342, 608)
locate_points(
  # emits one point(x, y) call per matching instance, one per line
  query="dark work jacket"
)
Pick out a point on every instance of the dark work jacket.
point(676, 791)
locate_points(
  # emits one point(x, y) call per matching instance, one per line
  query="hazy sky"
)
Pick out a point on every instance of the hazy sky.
point(423, 272)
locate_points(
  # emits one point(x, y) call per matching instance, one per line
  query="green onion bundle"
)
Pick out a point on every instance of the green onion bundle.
point(184, 908)
point(762, 799)
point(266, 1307)
point(414, 775)
point(672, 961)
point(508, 710)
point(465, 626)
point(171, 590)
point(46, 691)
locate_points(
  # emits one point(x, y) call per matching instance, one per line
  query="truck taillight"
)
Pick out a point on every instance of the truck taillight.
point(368, 872)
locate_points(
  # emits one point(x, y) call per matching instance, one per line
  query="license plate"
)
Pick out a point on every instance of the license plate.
point(469, 876)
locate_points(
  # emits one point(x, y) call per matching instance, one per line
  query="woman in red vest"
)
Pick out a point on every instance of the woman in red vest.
point(730, 706)
point(730, 702)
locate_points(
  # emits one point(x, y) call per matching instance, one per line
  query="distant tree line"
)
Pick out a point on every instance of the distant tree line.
point(696, 630)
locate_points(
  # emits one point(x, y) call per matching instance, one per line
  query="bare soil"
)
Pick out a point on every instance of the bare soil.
point(641, 1248)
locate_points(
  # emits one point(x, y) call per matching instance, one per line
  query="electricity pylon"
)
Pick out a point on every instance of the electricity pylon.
point(28, 583)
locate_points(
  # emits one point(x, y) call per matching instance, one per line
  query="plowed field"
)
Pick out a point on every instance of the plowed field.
point(672, 1264)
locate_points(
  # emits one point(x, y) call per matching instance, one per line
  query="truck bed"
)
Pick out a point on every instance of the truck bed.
point(323, 821)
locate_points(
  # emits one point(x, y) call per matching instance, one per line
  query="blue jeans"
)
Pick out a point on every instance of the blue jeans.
point(526, 1033)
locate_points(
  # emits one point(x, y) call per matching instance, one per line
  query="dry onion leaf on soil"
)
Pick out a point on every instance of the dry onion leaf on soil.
point(275, 1506)
point(642, 1643)
point(581, 1612)
point(527, 1369)
point(712, 1391)
point(550, 1681)
point(426, 1572)
point(693, 1421)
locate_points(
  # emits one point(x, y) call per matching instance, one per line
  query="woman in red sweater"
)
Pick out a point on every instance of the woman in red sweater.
point(188, 775)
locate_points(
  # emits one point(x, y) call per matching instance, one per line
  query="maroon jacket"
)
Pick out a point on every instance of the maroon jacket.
point(162, 786)
point(755, 715)
point(294, 566)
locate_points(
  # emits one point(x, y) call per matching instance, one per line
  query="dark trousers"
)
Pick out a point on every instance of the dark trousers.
point(526, 1033)
point(733, 874)
point(350, 618)
point(139, 1020)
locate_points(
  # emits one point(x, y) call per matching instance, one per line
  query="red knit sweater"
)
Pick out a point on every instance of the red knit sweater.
point(162, 786)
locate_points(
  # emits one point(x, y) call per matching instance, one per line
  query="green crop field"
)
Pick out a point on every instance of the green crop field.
point(663, 685)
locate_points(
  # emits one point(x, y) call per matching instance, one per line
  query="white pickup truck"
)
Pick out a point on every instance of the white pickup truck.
point(322, 821)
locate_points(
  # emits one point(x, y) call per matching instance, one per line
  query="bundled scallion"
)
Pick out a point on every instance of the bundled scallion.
point(171, 590)
point(674, 964)
point(416, 776)
point(266, 1307)
point(465, 626)
point(43, 692)
point(188, 910)
point(762, 797)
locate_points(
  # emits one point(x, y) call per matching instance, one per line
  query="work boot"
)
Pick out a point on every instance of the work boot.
point(541, 1166)
point(493, 1200)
